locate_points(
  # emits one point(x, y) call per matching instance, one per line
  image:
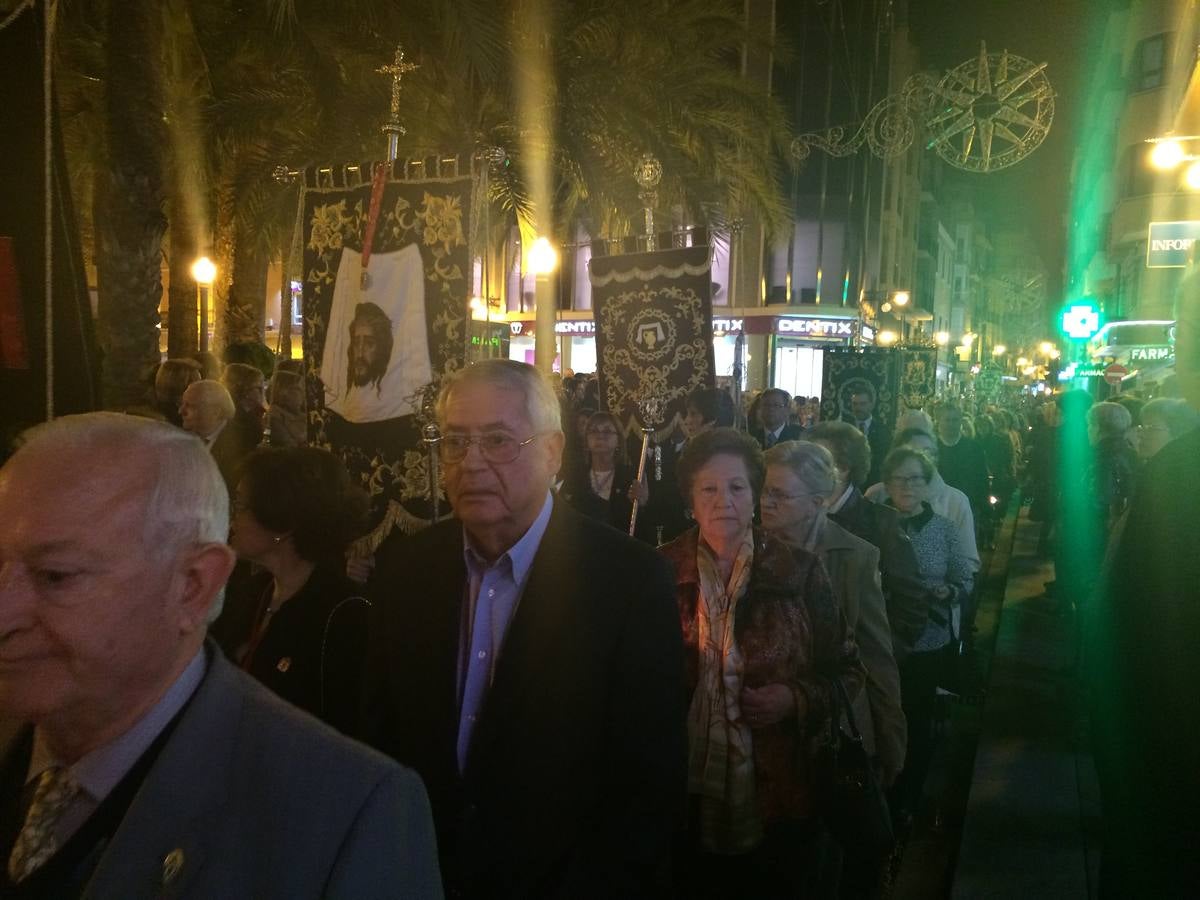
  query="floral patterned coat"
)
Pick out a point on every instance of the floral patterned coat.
point(791, 631)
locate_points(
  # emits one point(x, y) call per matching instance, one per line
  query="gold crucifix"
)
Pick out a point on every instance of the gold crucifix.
point(397, 70)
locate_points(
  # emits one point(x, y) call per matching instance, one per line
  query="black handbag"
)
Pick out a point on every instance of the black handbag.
point(855, 808)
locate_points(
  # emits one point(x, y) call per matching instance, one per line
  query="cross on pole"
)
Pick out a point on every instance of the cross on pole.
point(393, 129)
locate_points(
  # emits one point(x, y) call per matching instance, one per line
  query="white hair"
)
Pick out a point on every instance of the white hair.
point(1110, 418)
point(187, 502)
point(1175, 413)
point(809, 462)
point(914, 418)
point(541, 403)
point(213, 393)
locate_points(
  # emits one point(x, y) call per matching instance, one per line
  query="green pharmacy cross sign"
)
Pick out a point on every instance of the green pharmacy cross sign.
point(1080, 321)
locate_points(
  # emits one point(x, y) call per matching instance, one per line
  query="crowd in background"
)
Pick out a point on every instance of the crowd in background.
point(811, 578)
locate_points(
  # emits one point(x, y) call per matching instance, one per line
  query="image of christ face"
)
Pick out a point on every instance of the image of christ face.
point(370, 346)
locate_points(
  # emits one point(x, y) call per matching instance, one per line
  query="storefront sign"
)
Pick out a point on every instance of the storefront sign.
point(1169, 245)
point(573, 327)
point(816, 327)
point(1150, 354)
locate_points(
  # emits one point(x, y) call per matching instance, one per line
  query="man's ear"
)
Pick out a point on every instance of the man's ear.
point(204, 572)
point(555, 442)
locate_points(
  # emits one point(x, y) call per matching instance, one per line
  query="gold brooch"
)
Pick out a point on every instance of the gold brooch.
point(284, 664)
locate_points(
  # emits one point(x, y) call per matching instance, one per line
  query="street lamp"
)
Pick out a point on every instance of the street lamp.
point(887, 338)
point(1167, 154)
point(1046, 348)
point(900, 299)
point(543, 261)
point(999, 350)
point(942, 338)
point(204, 273)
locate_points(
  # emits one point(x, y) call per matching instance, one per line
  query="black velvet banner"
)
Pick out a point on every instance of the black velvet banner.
point(653, 314)
point(849, 370)
point(377, 347)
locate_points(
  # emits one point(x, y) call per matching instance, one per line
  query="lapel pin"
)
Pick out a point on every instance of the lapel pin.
point(284, 664)
point(172, 866)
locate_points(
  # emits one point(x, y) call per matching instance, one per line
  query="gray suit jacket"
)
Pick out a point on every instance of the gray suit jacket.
point(853, 566)
point(252, 798)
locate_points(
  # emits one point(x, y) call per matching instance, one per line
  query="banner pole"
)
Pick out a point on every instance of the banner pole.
point(641, 475)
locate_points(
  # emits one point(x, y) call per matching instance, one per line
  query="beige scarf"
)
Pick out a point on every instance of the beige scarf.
point(721, 752)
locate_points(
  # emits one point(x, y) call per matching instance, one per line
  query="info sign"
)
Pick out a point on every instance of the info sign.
point(1169, 244)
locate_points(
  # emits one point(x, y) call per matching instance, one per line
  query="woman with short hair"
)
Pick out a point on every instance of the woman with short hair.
point(298, 624)
point(947, 576)
point(765, 646)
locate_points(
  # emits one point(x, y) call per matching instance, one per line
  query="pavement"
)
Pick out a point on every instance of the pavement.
point(1030, 827)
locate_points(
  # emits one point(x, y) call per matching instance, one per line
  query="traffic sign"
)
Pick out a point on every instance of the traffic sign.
point(1115, 373)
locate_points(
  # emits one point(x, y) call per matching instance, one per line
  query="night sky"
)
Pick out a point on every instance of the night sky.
point(1035, 191)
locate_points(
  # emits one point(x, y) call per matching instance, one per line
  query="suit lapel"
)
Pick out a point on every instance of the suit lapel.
point(163, 839)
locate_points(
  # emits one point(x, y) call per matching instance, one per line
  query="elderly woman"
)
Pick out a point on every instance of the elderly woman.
point(947, 574)
point(1114, 461)
point(1161, 421)
point(287, 422)
point(765, 644)
point(299, 626)
point(800, 480)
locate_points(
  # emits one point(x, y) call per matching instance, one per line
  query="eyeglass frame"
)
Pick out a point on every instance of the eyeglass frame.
point(908, 482)
point(478, 441)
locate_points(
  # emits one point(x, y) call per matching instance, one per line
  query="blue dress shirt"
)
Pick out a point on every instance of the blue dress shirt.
point(493, 592)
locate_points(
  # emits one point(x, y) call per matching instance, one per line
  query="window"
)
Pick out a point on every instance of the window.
point(1149, 64)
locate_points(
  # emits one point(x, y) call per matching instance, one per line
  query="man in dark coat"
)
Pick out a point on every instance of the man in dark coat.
point(773, 427)
point(528, 663)
point(879, 438)
point(961, 460)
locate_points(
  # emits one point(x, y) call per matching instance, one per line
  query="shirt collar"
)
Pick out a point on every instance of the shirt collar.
point(520, 555)
point(212, 438)
point(841, 501)
point(98, 772)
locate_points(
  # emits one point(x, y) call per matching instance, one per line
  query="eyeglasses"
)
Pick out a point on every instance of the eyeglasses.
point(1144, 428)
point(776, 497)
point(494, 446)
point(909, 482)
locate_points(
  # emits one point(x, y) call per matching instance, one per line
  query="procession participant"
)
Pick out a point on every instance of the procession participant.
point(527, 662)
point(772, 426)
point(136, 761)
point(766, 644)
point(300, 625)
point(947, 574)
point(207, 411)
point(907, 603)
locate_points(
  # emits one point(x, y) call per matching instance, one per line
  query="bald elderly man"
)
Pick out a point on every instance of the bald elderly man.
point(134, 760)
point(208, 411)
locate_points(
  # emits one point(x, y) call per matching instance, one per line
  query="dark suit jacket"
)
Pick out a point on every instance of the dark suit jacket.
point(879, 438)
point(1143, 668)
point(576, 777)
point(264, 801)
point(906, 597)
point(232, 445)
point(790, 433)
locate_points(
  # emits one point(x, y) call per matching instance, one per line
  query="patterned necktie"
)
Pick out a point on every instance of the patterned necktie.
point(37, 842)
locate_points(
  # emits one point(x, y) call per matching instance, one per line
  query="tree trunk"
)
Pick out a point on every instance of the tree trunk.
point(246, 310)
point(183, 330)
point(130, 223)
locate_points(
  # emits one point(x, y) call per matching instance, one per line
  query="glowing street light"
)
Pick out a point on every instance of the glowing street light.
point(543, 260)
point(1022, 362)
point(204, 273)
point(901, 298)
point(1046, 348)
point(999, 350)
point(1192, 176)
point(887, 338)
point(1167, 154)
point(942, 338)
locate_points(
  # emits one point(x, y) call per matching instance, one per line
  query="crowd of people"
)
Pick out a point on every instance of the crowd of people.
point(564, 698)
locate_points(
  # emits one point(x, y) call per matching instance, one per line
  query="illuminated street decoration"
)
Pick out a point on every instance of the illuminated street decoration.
point(1081, 321)
point(984, 115)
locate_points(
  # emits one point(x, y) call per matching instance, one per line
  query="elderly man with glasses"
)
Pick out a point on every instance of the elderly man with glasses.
point(528, 662)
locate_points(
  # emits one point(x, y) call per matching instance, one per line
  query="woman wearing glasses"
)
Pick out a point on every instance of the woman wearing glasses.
point(764, 645)
point(946, 573)
point(600, 487)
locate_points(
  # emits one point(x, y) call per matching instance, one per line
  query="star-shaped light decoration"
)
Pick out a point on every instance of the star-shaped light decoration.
point(990, 113)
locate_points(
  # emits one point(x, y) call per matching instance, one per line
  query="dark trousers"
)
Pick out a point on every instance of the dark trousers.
point(919, 676)
point(786, 865)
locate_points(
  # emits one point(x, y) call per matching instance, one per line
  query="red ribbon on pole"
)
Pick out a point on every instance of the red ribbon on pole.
point(378, 183)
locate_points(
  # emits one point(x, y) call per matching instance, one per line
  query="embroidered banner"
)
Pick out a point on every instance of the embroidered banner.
point(918, 377)
point(852, 370)
point(654, 342)
point(385, 292)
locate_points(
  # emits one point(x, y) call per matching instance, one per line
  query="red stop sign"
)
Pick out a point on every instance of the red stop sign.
point(1115, 373)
